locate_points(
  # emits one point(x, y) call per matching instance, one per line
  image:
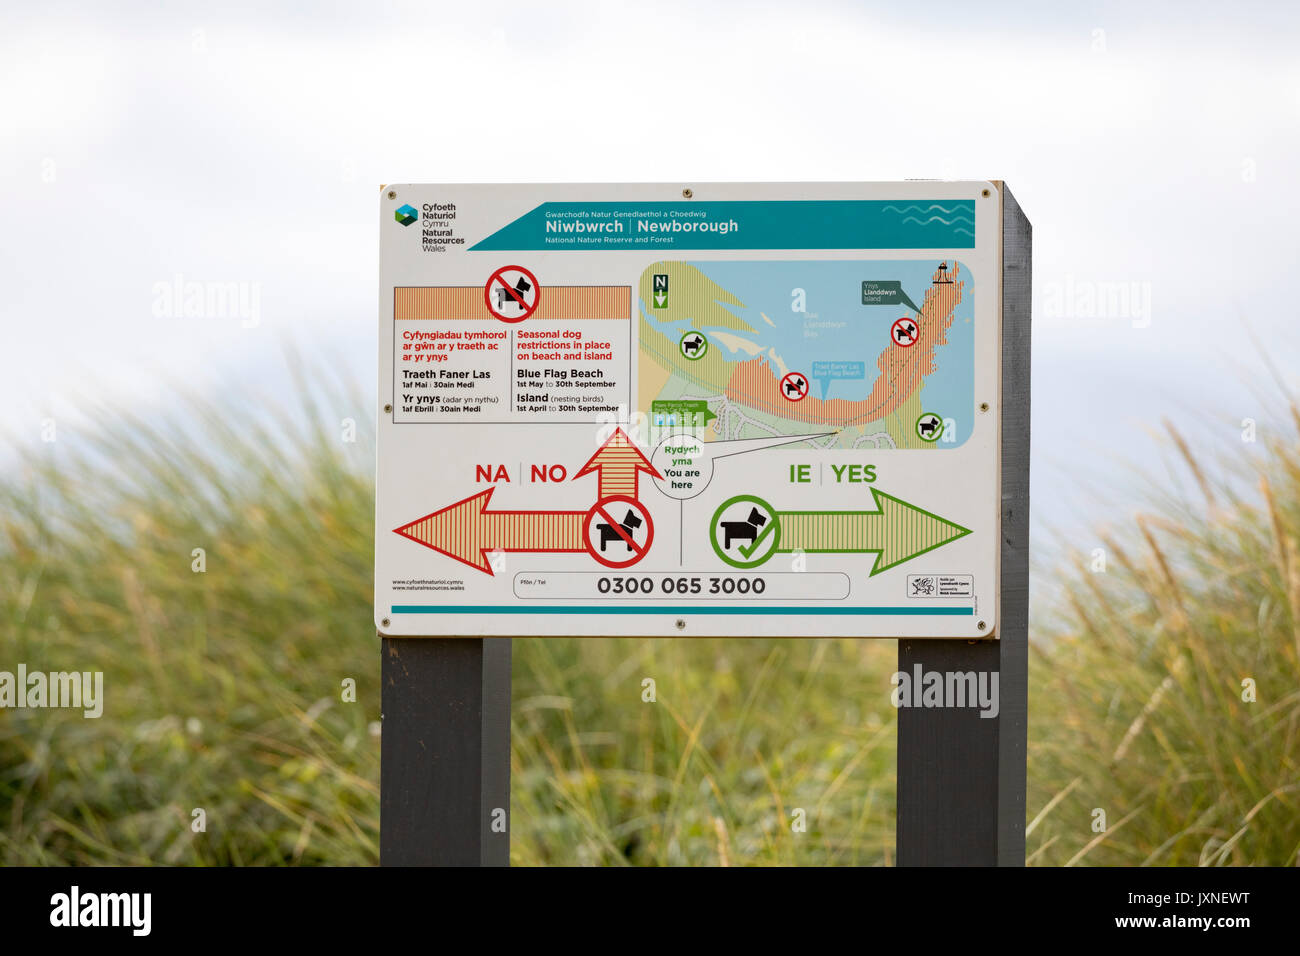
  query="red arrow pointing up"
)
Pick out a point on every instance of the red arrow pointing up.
point(618, 463)
point(467, 531)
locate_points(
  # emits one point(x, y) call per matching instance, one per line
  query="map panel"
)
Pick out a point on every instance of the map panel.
point(881, 353)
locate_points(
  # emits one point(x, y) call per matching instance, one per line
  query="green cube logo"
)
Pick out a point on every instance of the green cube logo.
point(406, 214)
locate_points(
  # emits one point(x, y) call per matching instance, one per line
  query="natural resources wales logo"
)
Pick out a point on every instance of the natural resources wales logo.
point(406, 214)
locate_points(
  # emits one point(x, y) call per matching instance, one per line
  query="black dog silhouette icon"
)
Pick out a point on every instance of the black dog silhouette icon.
point(746, 530)
point(629, 524)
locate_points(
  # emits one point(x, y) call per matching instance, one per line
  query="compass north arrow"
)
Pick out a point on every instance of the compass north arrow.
point(467, 531)
point(618, 463)
point(896, 531)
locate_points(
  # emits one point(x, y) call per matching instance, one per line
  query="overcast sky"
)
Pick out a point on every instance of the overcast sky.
point(1154, 151)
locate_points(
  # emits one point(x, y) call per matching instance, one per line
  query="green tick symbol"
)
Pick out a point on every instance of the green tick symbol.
point(748, 549)
point(693, 345)
point(929, 427)
point(745, 531)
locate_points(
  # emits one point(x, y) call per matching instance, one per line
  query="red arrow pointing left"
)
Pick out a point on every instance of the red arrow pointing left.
point(467, 531)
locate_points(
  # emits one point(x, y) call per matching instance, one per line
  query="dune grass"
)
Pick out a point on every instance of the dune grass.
point(225, 687)
point(1166, 690)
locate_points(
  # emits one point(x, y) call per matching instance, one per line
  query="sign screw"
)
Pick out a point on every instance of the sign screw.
point(681, 625)
point(688, 192)
point(392, 194)
point(388, 408)
point(981, 625)
point(984, 406)
point(985, 194)
point(385, 622)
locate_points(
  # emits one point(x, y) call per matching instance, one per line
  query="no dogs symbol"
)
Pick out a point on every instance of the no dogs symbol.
point(618, 531)
point(512, 293)
point(794, 386)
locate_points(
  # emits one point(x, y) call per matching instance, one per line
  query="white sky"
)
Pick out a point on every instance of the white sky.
point(226, 142)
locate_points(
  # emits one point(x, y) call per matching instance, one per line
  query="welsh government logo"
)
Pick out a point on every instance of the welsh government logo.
point(406, 214)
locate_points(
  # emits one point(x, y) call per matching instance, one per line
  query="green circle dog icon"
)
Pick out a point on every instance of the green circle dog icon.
point(745, 531)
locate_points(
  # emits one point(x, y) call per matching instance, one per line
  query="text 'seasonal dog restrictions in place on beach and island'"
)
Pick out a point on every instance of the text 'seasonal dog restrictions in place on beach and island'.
point(724, 410)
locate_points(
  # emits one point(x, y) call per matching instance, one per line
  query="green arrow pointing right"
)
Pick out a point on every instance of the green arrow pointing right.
point(896, 531)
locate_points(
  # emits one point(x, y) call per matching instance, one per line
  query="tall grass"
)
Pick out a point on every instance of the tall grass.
point(222, 687)
point(745, 741)
point(1141, 701)
point(225, 687)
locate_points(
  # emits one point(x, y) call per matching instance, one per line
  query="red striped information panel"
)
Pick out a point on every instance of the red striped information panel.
point(705, 410)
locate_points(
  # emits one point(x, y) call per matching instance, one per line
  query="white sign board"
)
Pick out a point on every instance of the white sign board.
point(731, 409)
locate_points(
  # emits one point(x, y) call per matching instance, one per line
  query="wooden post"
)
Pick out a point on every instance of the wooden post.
point(961, 777)
point(445, 753)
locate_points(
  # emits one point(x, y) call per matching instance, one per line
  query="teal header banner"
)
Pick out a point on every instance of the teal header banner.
point(793, 224)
